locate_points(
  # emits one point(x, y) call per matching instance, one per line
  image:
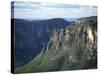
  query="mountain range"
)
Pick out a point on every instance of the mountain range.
point(32, 36)
point(70, 47)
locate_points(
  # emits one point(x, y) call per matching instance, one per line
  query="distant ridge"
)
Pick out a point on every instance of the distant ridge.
point(31, 36)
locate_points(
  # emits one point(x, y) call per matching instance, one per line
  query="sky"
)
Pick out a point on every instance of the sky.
point(44, 10)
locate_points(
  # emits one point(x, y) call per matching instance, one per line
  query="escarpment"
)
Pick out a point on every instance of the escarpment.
point(70, 48)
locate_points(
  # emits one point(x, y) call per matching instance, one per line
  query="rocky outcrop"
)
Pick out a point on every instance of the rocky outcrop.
point(70, 48)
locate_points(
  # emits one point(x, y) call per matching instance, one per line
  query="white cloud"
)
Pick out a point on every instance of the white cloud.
point(44, 12)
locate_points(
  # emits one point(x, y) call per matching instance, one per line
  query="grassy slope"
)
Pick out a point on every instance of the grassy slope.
point(55, 60)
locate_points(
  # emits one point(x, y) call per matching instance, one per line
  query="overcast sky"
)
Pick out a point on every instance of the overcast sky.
point(36, 10)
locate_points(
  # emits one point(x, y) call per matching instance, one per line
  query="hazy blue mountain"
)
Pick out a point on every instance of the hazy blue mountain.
point(71, 19)
point(32, 36)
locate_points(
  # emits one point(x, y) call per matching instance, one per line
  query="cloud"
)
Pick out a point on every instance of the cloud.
point(58, 5)
point(31, 10)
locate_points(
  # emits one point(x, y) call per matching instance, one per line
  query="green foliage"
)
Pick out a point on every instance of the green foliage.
point(74, 56)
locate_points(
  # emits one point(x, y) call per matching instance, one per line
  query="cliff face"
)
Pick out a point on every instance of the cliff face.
point(70, 48)
point(83, 32)
point(31, 35)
